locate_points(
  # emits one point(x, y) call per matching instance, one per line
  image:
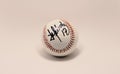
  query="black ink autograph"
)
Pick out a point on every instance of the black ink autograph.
point(56, 30)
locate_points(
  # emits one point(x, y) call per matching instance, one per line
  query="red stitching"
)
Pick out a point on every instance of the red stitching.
point(72, 38)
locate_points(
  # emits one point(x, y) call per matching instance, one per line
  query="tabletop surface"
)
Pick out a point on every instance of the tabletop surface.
point(97, 23)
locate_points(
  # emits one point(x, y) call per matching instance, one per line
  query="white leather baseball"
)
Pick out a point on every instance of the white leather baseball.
point(59, 37)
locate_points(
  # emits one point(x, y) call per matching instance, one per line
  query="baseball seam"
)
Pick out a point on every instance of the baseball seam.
point(70, 44)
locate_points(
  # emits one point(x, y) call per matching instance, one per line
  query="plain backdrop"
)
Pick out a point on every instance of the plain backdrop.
point(98, 25)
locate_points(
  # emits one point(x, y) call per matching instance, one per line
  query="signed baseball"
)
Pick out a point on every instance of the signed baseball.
point(59, 37)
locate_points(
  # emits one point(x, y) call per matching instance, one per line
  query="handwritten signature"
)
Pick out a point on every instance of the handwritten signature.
point(56, 30)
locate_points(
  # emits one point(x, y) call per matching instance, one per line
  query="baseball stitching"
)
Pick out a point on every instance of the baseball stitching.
point(70, 44)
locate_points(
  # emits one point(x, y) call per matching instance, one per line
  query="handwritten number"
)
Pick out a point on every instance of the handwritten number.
point(65, 31)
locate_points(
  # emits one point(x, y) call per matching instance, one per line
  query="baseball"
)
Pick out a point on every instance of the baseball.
point(59, 38)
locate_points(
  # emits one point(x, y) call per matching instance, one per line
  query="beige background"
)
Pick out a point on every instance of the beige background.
point(98, 49)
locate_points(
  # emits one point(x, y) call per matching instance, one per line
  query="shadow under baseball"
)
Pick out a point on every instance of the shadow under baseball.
point(47, 56)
